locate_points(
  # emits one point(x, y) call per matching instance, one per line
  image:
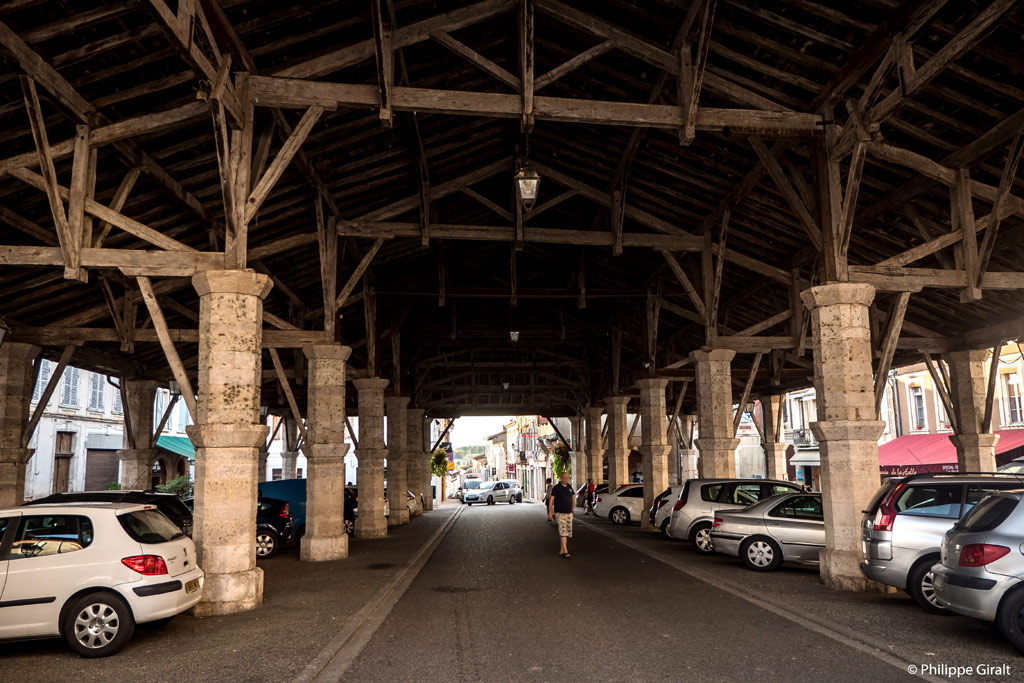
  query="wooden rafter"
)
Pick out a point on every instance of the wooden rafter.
point(171, 353)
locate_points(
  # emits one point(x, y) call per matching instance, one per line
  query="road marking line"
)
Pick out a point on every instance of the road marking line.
point(340, 653)
point(840, 634)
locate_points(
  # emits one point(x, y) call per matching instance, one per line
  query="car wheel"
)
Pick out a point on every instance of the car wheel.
point(1010, 618)
point(98, 625)
point(266, 543)
point(664, 528)
point(490, 500)
point(511, 500)
point(619, 516)
point(761, 554)
point(701, 539)
point(921, 586)
point(350, 526)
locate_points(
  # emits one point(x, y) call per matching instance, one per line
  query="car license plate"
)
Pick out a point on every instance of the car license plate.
point(192, 586)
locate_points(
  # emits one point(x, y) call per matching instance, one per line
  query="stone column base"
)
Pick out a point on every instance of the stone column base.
point(323, 548)
point(717, 457)
point(230, 593)
point(840, 570)
point(975, 452)
point(399, 516)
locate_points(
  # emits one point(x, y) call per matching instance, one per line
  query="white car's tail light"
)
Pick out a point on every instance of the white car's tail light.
point(149, 565)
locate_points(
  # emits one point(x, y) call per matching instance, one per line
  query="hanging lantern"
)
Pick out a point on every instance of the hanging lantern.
point(527, 186)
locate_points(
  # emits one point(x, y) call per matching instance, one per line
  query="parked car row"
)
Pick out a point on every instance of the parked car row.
point(953, 542)
point(491, 492)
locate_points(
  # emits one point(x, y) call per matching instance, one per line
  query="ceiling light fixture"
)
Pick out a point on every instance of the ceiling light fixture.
point(514, 335)
point(527, 185)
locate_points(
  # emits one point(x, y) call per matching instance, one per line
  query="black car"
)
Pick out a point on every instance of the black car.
point(167, 503)
point(275, 526)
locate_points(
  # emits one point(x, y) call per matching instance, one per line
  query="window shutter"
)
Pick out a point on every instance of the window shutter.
point(117, 402)
point(45, 370)
point(69, 391)
point(96, 382)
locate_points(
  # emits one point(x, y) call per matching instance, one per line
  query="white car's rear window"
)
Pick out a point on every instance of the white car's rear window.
point(149, 526)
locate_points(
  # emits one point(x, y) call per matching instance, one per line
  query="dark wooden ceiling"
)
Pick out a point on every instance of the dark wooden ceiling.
point(791, 55)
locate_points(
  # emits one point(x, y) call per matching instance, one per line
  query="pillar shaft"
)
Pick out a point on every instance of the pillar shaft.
point(968, 378)
point(325, 537)
point(618, 441)
point(595, 445)
point(137, 458)
point(261, 471)
point(774, 448)
point(290, 453)
point(717, 442)
point(371, 452)
point(416, 458)
point(16, 377)
point(847, 429)
point(654, 443)
point(397, 407)
point(227, 436)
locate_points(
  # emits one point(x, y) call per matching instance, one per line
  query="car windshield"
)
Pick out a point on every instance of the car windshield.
point(472, 484)
point(487, 485)
point(149, 526)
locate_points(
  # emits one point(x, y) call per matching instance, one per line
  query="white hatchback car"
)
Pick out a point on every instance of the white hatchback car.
point(91, 572)
point(623, 505)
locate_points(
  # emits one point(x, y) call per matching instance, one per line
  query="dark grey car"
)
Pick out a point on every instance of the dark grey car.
point(785, 528)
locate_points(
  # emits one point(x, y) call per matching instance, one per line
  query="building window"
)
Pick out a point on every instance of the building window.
point(45, 370)
point(96, 389)
point(275, 474)
point(117, 407)
point(69, 390)
point(1011, 397)
point(917, 415)
point(943, 416)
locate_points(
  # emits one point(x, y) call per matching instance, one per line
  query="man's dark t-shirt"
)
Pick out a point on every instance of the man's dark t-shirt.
point(564, 498)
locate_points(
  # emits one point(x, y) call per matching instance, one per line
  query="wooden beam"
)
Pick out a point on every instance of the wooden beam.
point(572, 64)
point(765, 324)
point(173, 359)
point(477, 59)
point(504, 213)
point(44, 398)
point(130, 261)
point(691, 73)
point(279, 92)
point(385, 61)
point(526, 49)
point(117, 203)
point(912, 279)
point(1006, 181)
point(678, 407)
point(58, 335)
point(893, 326)
point(963, 220)
point(163, 420)
point(327, 240)
point(746, 392)
point(796, 204)
point(680, 274)
point(940, 387)
point(293, 405)
point(990, 391)
point(284, 157)
point(358, 273)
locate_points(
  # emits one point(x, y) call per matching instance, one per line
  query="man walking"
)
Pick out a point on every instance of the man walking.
point(560, 505)
point(591, 494)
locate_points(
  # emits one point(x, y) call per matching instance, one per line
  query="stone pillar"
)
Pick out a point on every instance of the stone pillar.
point(325, 537)
point(654, 444)
point(417, 467)
point(290, 454)
point(579, 458)
point(137, 459)
point(227, 436)
point(371, 452)
point(398, 482)
point(16, 378)
point(595, 445)
point(968, 378)
point(717, 442)
point(261, 468)
point(848, 428)
point(774, 448)
point(618, 441)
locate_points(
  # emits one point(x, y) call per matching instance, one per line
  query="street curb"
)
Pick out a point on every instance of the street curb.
point(849, 637)
point(337, 657)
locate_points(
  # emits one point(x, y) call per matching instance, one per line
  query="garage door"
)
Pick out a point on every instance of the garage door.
point(100, 468)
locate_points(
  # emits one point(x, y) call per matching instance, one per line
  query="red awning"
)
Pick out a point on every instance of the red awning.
point(918, 453)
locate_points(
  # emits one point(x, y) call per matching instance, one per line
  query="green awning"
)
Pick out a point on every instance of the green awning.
point(180, 445)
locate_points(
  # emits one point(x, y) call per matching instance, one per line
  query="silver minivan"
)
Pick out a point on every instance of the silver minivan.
point(903, 526)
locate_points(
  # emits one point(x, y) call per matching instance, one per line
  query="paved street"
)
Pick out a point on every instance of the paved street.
point(495, 602)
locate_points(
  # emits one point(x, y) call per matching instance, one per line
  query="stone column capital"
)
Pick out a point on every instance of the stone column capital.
point(837, 293)
point(18, 456)
point(126, 454)
point(228, 435)
point(396, 404)
point(20, 350)
point(247, 282)
point(611, 401)
point(415, 413)
point(977, 441)
point(336, 352)
point(969, 356)
point(847, 430)
point(371, 384)
point(712, 354)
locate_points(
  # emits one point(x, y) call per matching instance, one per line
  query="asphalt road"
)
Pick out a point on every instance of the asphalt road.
point(496, 602)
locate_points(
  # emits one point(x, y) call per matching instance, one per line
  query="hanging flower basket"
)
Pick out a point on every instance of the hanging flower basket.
point(561, 460)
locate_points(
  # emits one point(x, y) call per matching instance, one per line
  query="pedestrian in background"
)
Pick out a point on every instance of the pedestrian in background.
point(591, 495)
point(560, 505)
point(547, 495)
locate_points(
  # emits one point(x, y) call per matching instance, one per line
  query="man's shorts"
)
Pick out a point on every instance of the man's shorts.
point(564, 521)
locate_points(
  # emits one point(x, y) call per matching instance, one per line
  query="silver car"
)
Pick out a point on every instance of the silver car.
point(490, 492)
point(903, 525)
point(785, 528)
point(981, 573)
point(695, 509)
